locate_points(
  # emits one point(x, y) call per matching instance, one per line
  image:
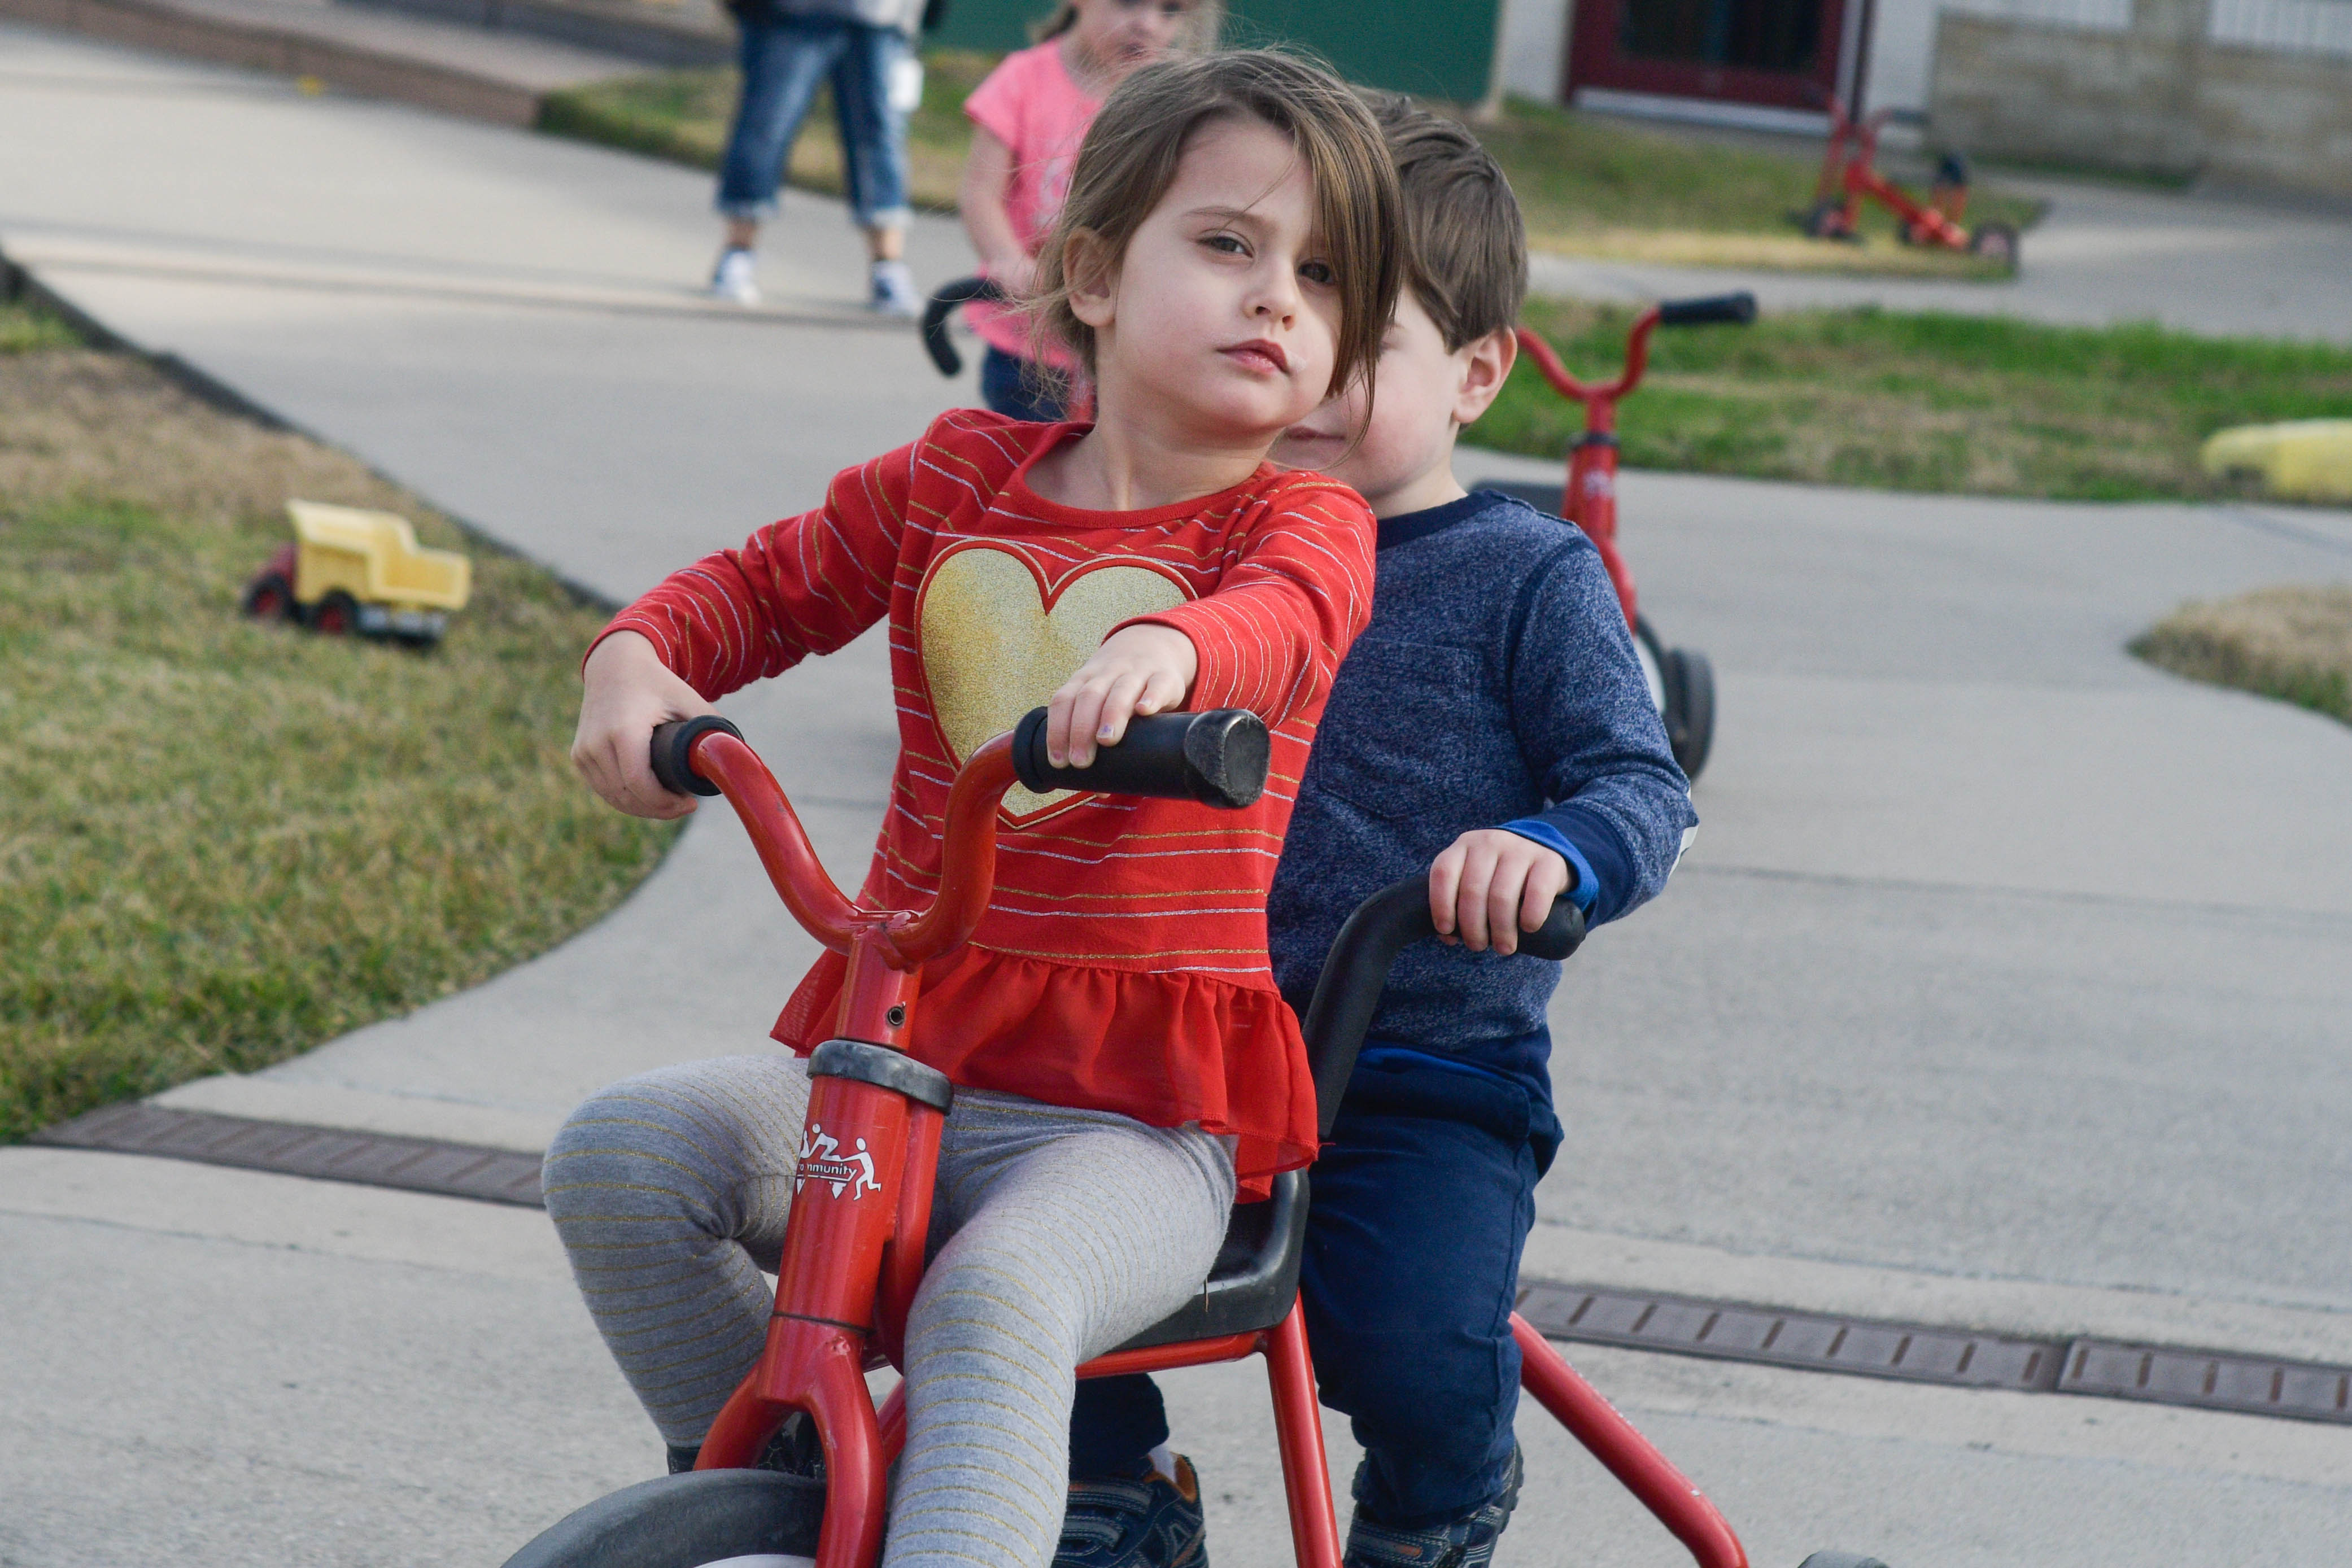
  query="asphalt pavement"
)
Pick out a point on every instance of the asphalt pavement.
point(2007, 985)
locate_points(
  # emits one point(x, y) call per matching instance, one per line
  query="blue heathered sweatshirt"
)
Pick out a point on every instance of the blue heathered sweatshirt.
point(1496, 686)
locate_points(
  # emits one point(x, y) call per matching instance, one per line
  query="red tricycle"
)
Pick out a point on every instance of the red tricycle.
point(1850, 172)
point(1682, 681)
point(853, 1250)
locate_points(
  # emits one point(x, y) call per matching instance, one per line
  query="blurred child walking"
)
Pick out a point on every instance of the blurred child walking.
point(1028, 118)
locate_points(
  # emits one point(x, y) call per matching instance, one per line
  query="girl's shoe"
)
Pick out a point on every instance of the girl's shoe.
point(1143, 1521)
point(894, 290)
point(734, 279)
point(1465, 1542)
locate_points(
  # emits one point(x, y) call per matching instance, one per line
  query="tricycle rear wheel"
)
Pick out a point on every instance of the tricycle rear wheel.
point(1690, 708)
point(690, 1521)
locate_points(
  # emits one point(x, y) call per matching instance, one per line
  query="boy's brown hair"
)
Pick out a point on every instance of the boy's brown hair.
point(1467, 259)
point(1129, 158)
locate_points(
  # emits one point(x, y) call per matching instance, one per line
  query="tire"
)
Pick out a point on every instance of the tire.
point(689, 1521)
point(1690, 708)
point(1840, 1560)
point(269, 596)
point(1995, 242)
point(1827, 221)
point(1651, 654)
point(336, 615)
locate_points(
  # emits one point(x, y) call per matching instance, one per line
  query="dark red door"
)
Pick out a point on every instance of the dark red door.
point(1783, 53)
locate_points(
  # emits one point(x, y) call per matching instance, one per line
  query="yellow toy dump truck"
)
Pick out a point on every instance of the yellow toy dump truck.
point(2301, 460)
point(354, 572)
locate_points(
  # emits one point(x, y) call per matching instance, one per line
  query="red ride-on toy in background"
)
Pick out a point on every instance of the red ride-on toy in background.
point(854, 1246)
point(1682, 682)
point(1850, 172)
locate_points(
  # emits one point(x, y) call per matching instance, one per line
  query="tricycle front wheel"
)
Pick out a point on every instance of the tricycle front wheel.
point(697, 1519)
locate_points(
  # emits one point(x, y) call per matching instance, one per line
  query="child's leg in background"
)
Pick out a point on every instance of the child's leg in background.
point(1012, 386)
point(670, 1192)
point(1070, 1231)
point(1421, 1203)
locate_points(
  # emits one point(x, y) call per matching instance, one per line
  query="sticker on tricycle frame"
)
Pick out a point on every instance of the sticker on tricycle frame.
point(822, 1161)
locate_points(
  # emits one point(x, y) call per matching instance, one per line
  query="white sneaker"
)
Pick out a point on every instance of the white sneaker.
point(894, 290)
point(735, 278)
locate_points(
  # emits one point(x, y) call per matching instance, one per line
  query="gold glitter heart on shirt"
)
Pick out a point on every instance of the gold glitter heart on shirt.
point(997, 638)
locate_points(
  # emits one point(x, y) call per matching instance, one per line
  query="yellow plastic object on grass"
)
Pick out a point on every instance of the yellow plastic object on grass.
point(375, 557)
point(2301, 460)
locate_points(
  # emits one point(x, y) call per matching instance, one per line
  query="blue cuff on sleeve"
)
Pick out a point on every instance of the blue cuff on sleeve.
point(1586, 887)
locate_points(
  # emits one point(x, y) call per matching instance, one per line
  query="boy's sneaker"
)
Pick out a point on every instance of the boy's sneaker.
point(894, 290)
point(1465, 1543)
point(1144, 1522)
point(735, 277)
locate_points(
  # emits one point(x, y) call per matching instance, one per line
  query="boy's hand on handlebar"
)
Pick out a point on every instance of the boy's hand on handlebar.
point(628, 691)
point(1138, 669)
point(1488, 885)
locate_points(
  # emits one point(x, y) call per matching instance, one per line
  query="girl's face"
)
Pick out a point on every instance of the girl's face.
point(1116, 38)
point(1221, 322)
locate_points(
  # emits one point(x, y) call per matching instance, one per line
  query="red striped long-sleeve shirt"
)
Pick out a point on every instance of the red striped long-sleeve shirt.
point(1121, 964)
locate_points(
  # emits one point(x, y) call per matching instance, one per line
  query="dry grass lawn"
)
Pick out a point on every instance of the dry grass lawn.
point(2293, 643)
point(228, 842)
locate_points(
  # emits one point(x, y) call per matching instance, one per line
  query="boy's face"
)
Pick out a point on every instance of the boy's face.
point(1425, 394)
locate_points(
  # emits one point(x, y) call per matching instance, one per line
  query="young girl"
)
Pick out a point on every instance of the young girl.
point(1226, 260)
point(1028, 119)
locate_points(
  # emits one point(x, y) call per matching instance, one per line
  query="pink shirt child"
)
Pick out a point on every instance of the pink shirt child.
point(1029, 104)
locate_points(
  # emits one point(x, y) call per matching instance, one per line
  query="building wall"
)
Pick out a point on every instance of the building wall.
point(1534, 60)
point(1439, 48)
point(2250, 92)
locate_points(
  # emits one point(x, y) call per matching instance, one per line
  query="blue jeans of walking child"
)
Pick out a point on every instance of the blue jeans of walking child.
point(784, 58)
point(1418, 1211)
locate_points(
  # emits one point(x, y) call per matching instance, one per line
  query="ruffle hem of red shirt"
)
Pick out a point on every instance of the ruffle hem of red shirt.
point(1165, 1047)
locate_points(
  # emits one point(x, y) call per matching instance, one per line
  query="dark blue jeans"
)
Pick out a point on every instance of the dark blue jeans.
point(1420, 1205)
point(1009, 385)
point(784, 57)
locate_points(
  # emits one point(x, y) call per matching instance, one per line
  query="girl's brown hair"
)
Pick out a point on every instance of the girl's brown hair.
point(1129, 158)
point(1202, 23)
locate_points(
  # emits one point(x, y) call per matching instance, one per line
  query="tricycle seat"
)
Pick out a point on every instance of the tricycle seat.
point(1256, 1274)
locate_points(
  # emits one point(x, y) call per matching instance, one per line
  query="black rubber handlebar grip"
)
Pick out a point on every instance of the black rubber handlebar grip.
point(935, 342)
point(1728, 309)
point(1356, 969)
point(672, 744)
point(1218, 758)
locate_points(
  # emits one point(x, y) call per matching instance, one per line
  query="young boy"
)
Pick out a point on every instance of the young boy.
point(1491, 725)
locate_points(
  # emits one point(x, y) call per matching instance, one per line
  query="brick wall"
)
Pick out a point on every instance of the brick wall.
point(2157, 93)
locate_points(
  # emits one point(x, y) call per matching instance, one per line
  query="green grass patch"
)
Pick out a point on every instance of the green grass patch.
point(2292, 642)
point(684, 116)
point(227, 842)
point(1978, 406)
point(1591, 185)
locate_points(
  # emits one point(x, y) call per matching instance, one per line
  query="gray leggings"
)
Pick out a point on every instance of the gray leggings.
point(1057, 1234)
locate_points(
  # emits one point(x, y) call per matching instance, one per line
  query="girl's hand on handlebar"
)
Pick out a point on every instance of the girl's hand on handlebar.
point(1488, 885)
point(1138, 669)
point(629, 691)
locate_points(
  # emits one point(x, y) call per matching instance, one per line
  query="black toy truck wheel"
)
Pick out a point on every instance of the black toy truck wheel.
point(1994, 241)
point(1840, 1560)
point(269, 596)
point(336, 615)
point(690, 1521)
point(1690, 708)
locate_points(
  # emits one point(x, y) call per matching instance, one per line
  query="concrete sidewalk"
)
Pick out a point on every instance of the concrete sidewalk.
point(2104, 255)
point(2007, 986)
